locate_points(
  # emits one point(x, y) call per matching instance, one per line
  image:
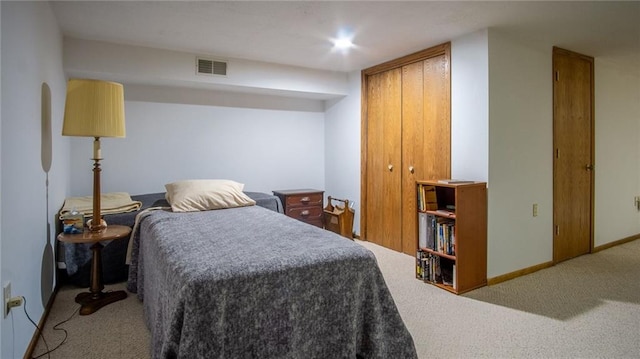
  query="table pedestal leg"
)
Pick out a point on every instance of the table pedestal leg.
point(95, 299)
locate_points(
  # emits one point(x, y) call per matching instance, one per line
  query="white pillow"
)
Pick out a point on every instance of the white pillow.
point(203, 195)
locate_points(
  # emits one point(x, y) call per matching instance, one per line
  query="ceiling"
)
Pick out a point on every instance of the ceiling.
point(298, 32)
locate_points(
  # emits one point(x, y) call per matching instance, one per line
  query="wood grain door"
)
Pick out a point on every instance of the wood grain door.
point(573, 154)
point(405, 137)
point(426, 135)
point(383, 159)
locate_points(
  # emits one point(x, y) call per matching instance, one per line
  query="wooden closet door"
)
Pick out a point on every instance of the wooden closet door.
point(426, 135)
point(436, 158)
point(405, 137)
point(383, 157)
point(413, 144)
point(573, 154)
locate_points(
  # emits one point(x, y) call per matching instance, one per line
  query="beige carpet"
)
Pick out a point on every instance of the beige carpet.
point(114, 331)
point(588, 307)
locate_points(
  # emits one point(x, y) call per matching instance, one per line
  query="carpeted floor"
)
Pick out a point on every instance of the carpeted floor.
point(587, 307)
point(115, 331)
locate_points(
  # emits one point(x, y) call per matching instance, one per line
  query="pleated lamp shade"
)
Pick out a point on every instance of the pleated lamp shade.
point(94, 108)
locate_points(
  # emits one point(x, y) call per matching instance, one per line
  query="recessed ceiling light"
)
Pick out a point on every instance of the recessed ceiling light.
point(343, 43)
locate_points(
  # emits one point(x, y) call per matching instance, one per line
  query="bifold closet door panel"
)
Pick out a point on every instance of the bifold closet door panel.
point(384, 126)
point(426, 135)
point(413, 144)
point(436, 161)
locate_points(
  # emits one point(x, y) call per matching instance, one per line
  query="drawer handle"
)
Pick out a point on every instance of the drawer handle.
point(305, 212)
point(305, 199)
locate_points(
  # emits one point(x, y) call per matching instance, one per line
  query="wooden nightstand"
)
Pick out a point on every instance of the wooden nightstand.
point(305, 205)
point(95, 299)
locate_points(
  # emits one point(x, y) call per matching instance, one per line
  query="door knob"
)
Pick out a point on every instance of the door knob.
point(411, 169)
point(589, 167)
point(390, 167)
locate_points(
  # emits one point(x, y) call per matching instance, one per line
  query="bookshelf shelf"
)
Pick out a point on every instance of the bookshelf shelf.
point(443, 213)
point(452, 235)
point(434, 252)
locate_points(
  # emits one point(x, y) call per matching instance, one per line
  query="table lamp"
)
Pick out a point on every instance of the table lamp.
point(94, 108)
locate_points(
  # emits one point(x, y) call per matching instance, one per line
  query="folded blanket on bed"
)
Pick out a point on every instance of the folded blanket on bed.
point(139, 216)
point(110, 203)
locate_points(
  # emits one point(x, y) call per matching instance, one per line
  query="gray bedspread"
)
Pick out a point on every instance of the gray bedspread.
point(252, 283)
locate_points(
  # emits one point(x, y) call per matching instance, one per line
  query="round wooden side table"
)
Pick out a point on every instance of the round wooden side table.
point(95, 299)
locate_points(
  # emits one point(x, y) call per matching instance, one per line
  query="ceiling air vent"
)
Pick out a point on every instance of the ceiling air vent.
point(211, 67)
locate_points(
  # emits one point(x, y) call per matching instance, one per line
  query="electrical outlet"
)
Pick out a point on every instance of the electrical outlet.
point(9, 301)
point(14, 302)
point(6, 290)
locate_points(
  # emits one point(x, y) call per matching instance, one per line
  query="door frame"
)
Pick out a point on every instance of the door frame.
point(561, 51)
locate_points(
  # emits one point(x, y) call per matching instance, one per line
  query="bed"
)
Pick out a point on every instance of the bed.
point(248, 282)
point(74, 259)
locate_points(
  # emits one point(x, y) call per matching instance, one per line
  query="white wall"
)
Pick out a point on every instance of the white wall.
point(520, 154)
point(31, 56)
point(264, 149)
point(148, 66)
point(262, 124)
point(470, 107)
point(617, 147)
point(342, 147)
point(209, 97)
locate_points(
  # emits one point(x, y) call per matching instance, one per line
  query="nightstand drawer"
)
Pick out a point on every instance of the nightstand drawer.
point(305, 214)
point(300, 200)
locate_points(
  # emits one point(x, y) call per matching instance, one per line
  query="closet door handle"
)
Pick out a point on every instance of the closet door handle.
point(411, 169)
point(390, 167)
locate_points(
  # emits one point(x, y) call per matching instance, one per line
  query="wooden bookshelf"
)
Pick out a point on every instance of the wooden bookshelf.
point(456, 258)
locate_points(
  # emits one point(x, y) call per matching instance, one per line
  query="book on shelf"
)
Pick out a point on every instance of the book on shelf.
point(445, 236)
point(431, 232)
point(430, 199)
point(422, 229)
point(454, 181)
point(427, 200)
point(430, 267)
point(422, 265)
point(455, 283)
